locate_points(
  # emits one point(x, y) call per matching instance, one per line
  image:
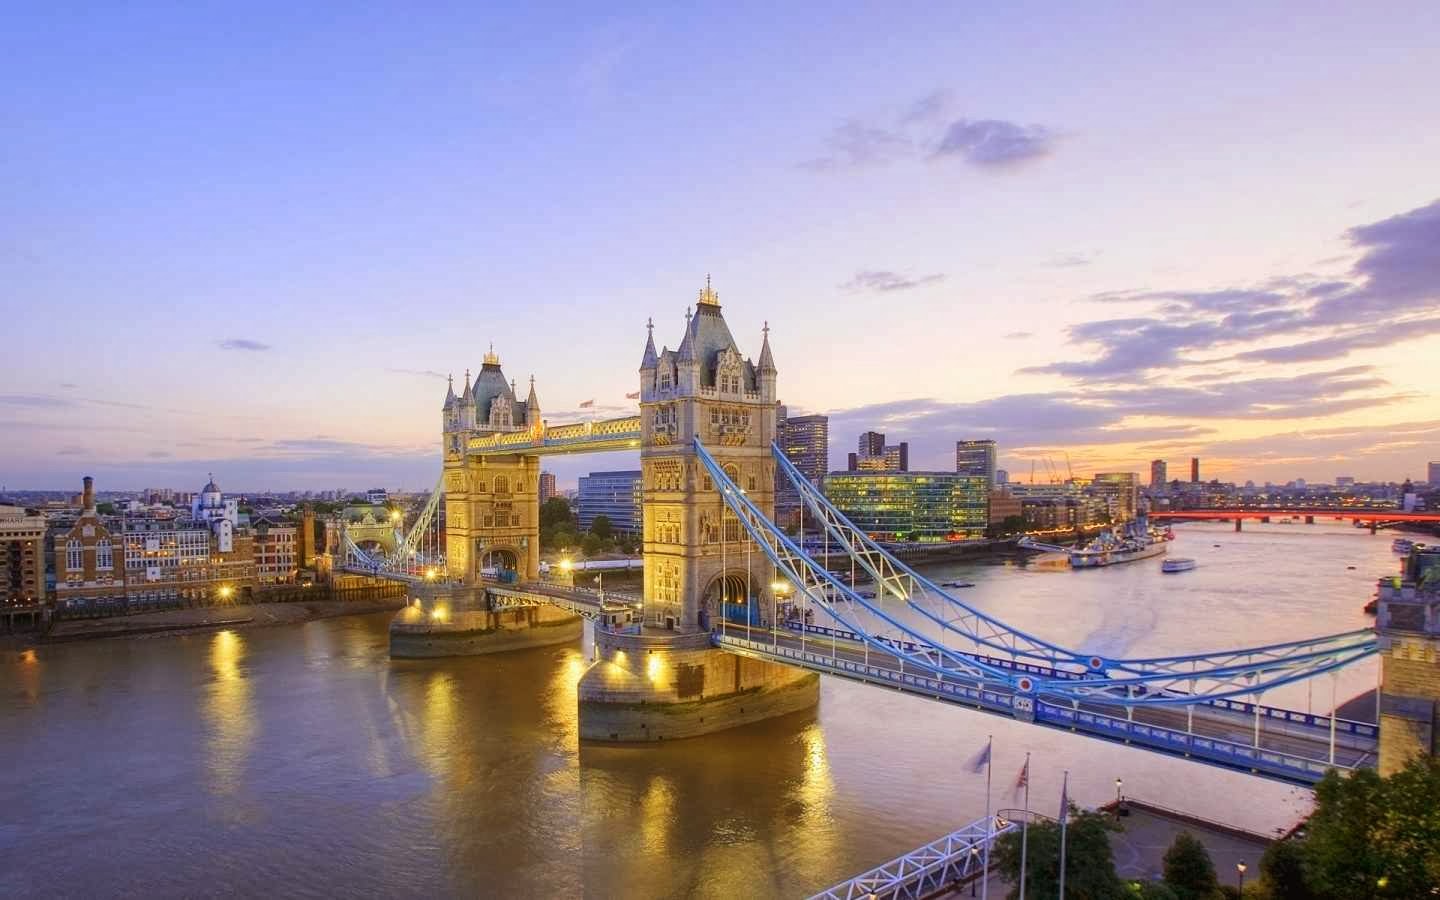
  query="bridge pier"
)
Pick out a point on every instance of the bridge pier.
point(1238, 522)
point(1309, 520)
point(460, 622)
point(658, 685)
point(1408, 625)
point(1374, 526)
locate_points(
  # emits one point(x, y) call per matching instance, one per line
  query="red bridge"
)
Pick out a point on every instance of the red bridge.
point(1370, 516)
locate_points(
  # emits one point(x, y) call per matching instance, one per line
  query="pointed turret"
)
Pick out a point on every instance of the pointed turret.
point(767, 361)
point(649, 361)
point(468, 396)
point(532, 402)
point(450, 398)
point(686, 353)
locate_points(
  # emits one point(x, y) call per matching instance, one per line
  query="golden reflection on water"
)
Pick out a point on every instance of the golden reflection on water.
point(657, 816)
point(229, 712)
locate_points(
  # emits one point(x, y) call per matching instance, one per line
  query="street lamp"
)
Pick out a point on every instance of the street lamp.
point(1240, 870)
point(1118, 783)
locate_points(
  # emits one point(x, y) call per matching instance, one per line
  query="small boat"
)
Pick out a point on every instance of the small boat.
point(868, 595)
point(1215, 545)
point(957, 584)
point(1177, 564)
point(1350, 568)
point(1402, 545)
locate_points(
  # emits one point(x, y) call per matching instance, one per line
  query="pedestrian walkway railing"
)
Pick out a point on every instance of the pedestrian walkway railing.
point(950, 861)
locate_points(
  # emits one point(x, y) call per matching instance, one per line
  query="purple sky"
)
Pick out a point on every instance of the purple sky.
point(254, 241)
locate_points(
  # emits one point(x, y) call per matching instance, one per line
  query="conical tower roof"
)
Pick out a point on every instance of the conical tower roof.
point(649, 360)
point(767, 360)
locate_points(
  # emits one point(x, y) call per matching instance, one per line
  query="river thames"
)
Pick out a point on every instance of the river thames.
point(301, 760)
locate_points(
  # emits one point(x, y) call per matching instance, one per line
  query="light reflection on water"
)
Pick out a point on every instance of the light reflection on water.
point(302, 759)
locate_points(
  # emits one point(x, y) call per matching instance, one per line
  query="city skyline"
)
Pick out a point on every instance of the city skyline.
point(1148, 259)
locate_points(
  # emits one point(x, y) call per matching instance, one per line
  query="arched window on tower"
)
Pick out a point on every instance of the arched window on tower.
point(502, 484)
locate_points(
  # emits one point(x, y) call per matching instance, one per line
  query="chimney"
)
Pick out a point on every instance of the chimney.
point(87, 503)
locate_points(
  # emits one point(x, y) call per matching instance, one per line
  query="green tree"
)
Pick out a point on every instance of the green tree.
point(105, 509)
point(601, 528)
point(1374, 837)
point(1089, 866)
point(1150, 890)
point(590, 544)
point(1282, 872)
point(1188, 869)
point(556, 520)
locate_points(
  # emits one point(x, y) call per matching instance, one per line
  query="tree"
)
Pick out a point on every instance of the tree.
point(601, 528)
point(1374, 837)
point(1188, 869)
point(590, 544)
point(105, 509)
point(556, 520)
point(1150, 890)
point(1089, 866)
point(1282, 872)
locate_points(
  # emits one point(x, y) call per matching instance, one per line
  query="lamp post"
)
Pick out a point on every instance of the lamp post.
point(1118, 796)
point(1240, 871)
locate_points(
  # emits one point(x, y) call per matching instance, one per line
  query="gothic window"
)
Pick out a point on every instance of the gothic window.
point(665, 381)
point(732, 528)
point(750, 483)
point(730, 416)
point(74, 555)
point(731, 472)
point(103, 557)
point(502, 484)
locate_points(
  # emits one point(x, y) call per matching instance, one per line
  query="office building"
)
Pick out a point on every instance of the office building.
point(1158, 475)
point(806, 442)
point(976, 458)
point(276, 549)
point(1003, 505)
point(1433, 475)
point(614, 495)
point(872, 443)
point(1194, 470)
point(546, 486)
point(912, 506)
point(22, 557)
point(1344, 481)
point(1119, 491)
point(1002, 476)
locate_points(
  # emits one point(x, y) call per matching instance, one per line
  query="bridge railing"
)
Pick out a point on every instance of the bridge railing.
point(954, 859)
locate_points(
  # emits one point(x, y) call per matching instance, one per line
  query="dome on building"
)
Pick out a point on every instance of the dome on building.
point(211, 487)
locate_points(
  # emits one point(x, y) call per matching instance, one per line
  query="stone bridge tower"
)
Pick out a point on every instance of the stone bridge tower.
point(695, 548)
point(492, 503)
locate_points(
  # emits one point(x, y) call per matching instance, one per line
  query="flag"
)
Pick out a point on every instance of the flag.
point(981, 760)
point(587, 404)
point(634, 396)
point(1023, 781)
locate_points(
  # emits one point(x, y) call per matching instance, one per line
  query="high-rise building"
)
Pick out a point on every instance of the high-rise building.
point(806, 442)
point(872, 443)
point(897, 457)
point(976, 458)
point(1194, 470)
point(22, 557)
point(1344, 481)
point(1158, 475)
point(1119, 490)
point(615, 495)
point(912, 506)
point(1433, 475)
point(1002, 476)
point(547, 486)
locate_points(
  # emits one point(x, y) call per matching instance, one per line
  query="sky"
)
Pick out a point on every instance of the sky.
point(253, 239)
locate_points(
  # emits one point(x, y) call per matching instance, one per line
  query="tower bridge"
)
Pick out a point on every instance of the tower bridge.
point(671, 663)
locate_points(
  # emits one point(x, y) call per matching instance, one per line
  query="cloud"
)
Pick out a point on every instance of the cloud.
point(1019, 335)
point(72, 451)
point(68, 385)
point(921, 131)
point(425, 373)
point(995, 143)
point(883, 281)
point(1069, 260)
point(1303, 317)
point(242, 344)
point(35, 401)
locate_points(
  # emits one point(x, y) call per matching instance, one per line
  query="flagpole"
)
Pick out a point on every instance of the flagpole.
point(989, 819)
point(1025, 827)
point(1064, 803)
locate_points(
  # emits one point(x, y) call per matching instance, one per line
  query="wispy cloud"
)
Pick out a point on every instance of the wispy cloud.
point(424, 373)
point(885, 281)
point(242, 344)
point(1019, 335)
point(995, 143)
point(924, 129)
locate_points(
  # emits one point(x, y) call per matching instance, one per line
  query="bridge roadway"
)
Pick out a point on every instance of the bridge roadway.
point(1356, 513)
point(1291, 746)
point(1278, 743)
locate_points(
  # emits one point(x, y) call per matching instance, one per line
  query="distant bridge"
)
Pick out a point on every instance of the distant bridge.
point(1353, 514)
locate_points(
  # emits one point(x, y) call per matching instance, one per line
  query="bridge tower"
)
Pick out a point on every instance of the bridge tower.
point(695, 548)
point(492, 503)
point(667, 680)
point(1408, 626)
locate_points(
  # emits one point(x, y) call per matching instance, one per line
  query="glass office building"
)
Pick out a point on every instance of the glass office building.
point(912, 506)
point(614, 495)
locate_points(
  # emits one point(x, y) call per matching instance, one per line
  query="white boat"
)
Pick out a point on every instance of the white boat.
point(1402, 545)
point(1178, 564)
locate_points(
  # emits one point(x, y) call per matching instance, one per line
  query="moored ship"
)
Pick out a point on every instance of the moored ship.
point(1136, 542)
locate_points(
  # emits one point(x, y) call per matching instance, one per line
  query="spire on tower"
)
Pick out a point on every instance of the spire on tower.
point(449, 390)
point(491, 359)
point(649, 360)
point(708, 296)
point(532, 402)
point(767, 360)
point(469, 394)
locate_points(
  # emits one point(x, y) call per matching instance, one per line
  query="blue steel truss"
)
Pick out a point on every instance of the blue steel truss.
point(1175, 681)
point(988, 634)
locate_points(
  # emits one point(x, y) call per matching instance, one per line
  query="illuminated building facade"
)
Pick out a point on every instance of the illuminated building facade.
point(22, 557)
point(912, 506)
